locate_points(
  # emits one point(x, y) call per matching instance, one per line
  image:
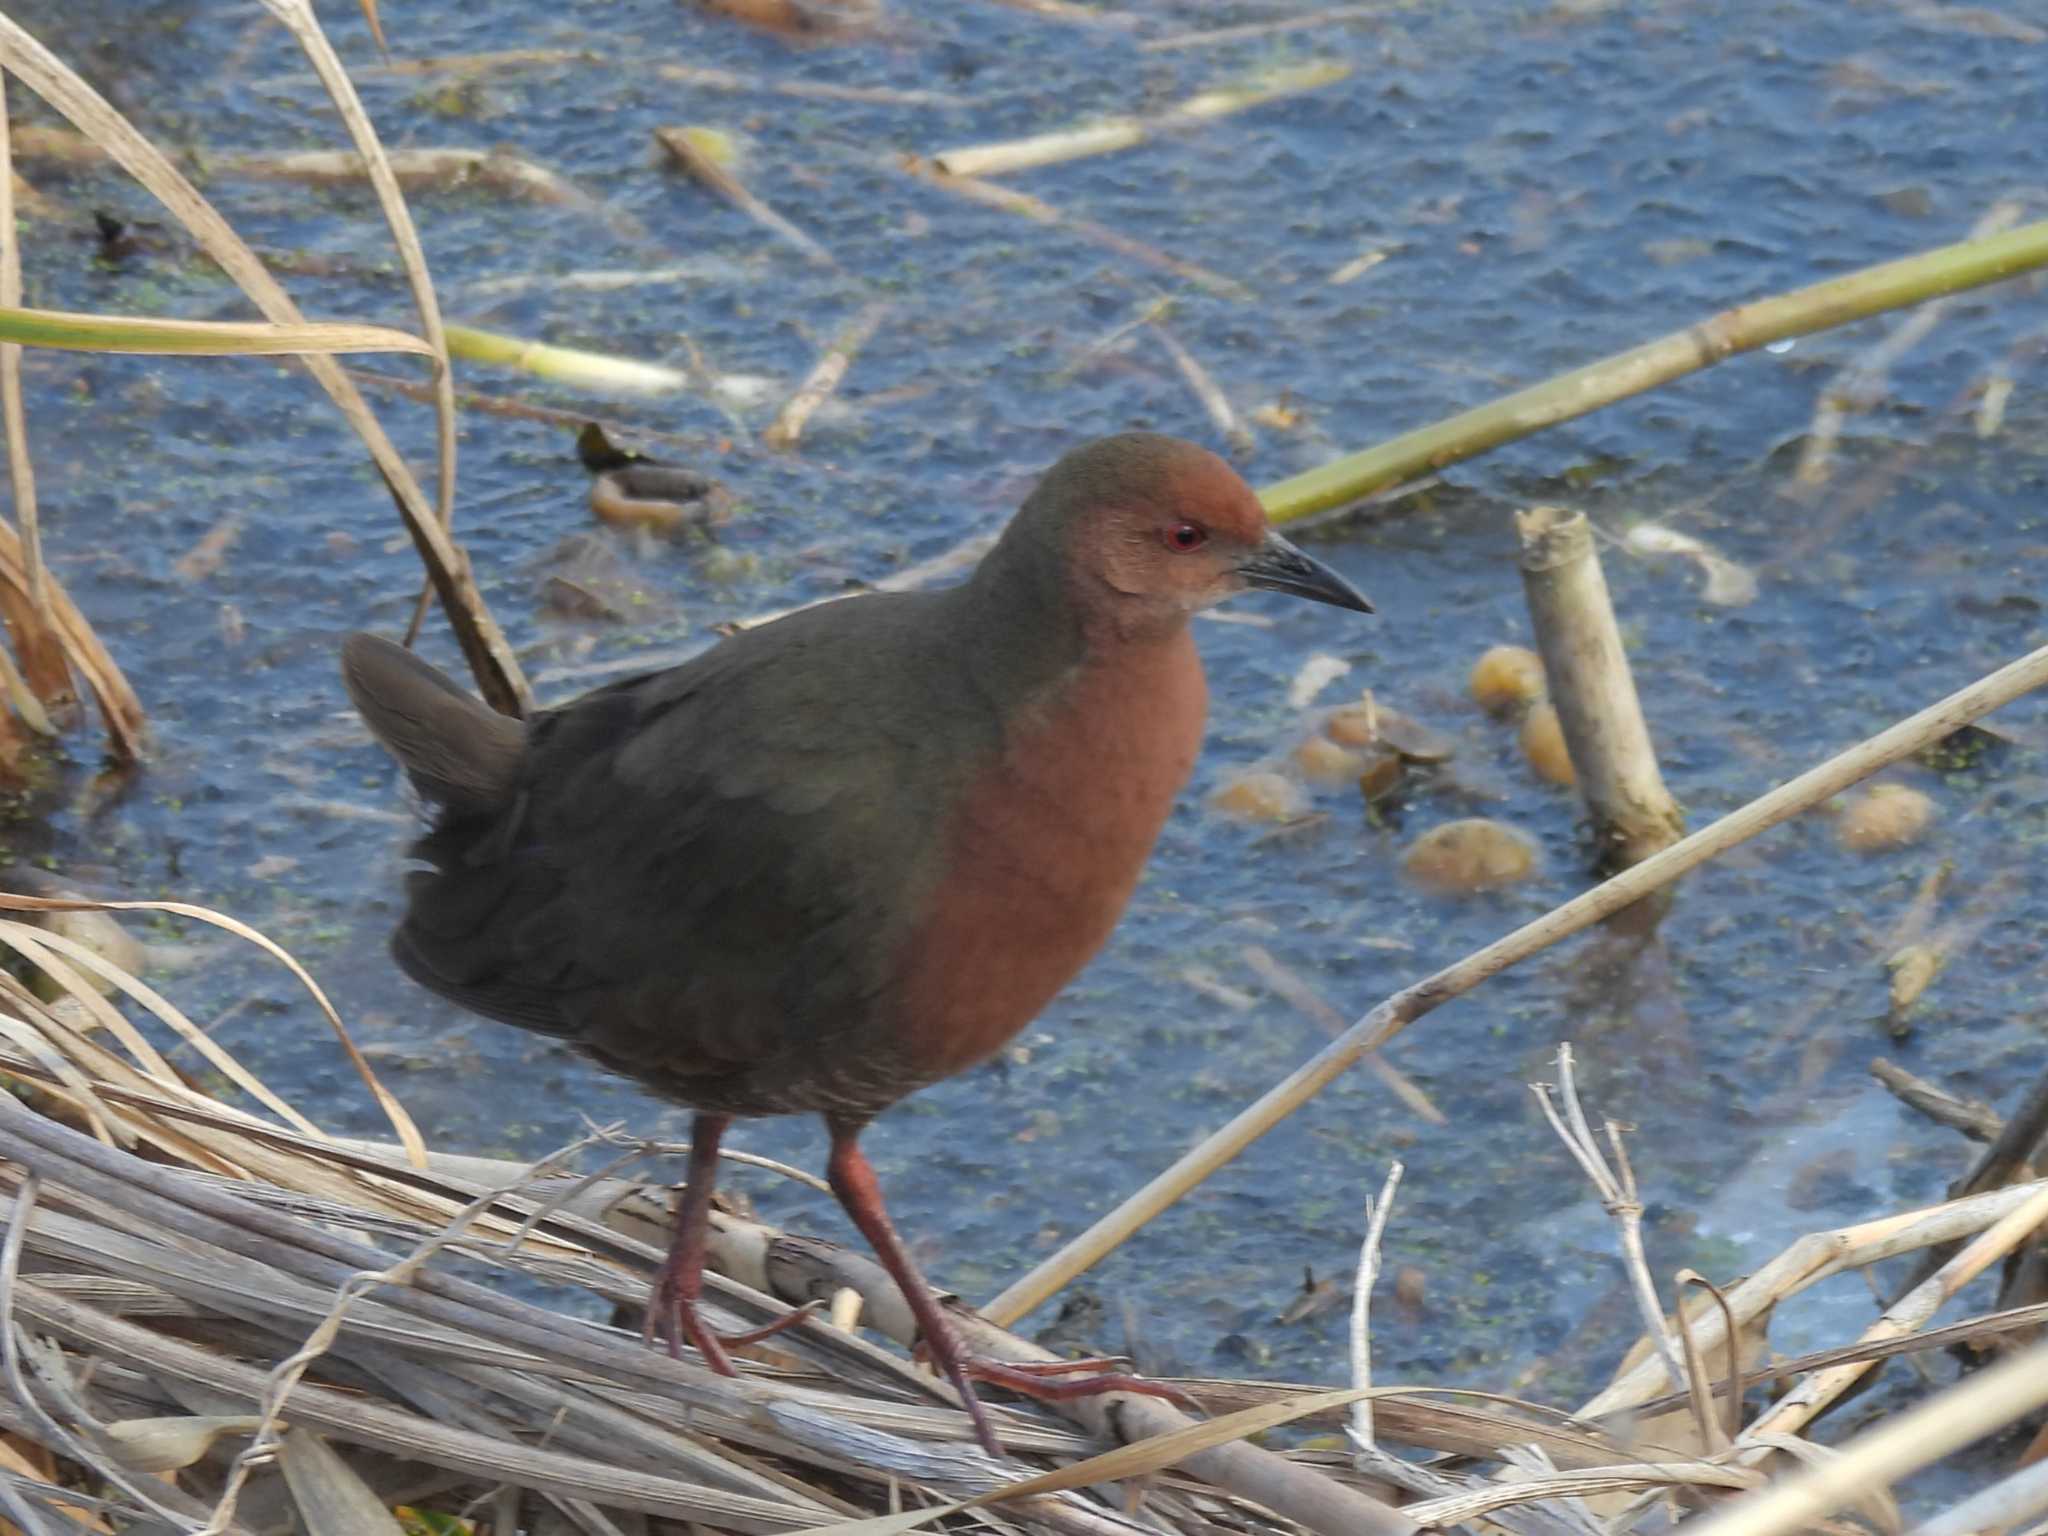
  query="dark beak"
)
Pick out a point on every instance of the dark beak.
point(1277, 566)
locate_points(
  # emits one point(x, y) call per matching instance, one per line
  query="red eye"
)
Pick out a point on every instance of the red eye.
point(1182, 537)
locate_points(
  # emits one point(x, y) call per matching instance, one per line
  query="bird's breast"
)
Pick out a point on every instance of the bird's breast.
point(1044, 849)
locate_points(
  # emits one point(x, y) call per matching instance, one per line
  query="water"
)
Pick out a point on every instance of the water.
point(1548, 184)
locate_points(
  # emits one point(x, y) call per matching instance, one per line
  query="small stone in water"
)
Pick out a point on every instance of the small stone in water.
point(1543, 745)
point(1322, 761)
point(1883, 817)
point(1506, 678)
point(1262, 796)
point(1461, 857)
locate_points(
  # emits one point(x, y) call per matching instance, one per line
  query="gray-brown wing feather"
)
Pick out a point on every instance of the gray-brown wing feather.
point(703, 875)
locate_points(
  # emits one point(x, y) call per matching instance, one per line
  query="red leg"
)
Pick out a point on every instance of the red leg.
point(672, 1310)
point(853, 1181)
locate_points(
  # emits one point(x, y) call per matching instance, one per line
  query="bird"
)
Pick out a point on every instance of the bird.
point(846, 854)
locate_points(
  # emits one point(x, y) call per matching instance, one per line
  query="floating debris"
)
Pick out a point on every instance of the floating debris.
point(1382, 778)
point(1316, 674)
point(662, 498)
point(1729, 584)
point(819, 385)
point(685, 146)
point(812, 20)
point(1417, 743)
point(1262, 795)
point(563, 365)
point(1355, 725)
point(1507, 679)
point(1913, 969)
point(1884, 817)
point(1461, 858)
point(1124, 132)
point(1323, 761)
point(1543, 745)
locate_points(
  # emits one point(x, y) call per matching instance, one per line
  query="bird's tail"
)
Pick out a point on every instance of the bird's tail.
point(459, 753)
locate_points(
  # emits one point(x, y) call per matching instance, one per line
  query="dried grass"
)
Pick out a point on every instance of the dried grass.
point(215, 1317)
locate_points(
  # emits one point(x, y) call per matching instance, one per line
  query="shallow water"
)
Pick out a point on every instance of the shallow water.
point(1548, 185)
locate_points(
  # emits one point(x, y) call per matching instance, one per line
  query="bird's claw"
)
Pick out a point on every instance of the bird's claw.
point(1043, 1379)
point(674, 1318)
point(1040, 1379)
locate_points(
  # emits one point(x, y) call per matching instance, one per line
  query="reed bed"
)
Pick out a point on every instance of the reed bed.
point(219, 1318)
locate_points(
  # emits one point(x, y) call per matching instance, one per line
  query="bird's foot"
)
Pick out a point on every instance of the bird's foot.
point(1047, 1381)
point(1094, 1376)
point(674, 1318)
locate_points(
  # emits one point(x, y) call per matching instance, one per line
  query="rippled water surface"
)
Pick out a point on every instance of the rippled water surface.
point(1545, 185)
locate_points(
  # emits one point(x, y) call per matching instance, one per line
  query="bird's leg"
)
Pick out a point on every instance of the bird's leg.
point(853, 1181)
point(672, 1310)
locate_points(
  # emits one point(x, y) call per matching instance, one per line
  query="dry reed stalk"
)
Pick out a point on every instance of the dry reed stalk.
point(415, 170)
point(1807, 1262)
point(2006, 1505)
point(799, 1269)
point(1617, 1196)
point(1222, 416)
point(1352, 270)
point(1632, 812)
point(1791, 1413)
point(471, 66)
point(1119, 133)
point(43, 676)
point(989, 195)
point(1972, 1330)
point(1396, 1013)
point(708, 173)
point(1897, 1447)
point(58, 146)
point(2017, 1144)
point(120, 709)
point(1067, 10)
point(155, 1069)
point(21, 469)
point(809, 90)
point(1359, 1430)
point(825, 375)
point(1861, 384)
point(1973, 1117)
point(349, 1321)
point(1251, 29)
point(1297, 993)
point(251, 1244)
point(484, 646)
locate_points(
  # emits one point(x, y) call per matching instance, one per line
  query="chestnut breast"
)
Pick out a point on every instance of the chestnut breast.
point(1043, 849)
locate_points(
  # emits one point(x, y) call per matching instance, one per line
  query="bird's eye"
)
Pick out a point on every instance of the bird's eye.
point(1182, 537)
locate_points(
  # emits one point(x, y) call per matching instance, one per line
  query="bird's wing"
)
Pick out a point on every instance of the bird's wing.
point(704, 870)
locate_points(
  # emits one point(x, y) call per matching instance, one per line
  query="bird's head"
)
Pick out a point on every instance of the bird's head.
point(1150, 529)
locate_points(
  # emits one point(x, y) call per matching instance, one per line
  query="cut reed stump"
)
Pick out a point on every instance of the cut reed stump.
point(1633, 813)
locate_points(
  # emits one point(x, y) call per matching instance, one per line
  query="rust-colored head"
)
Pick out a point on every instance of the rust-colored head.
point(1146, 530)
